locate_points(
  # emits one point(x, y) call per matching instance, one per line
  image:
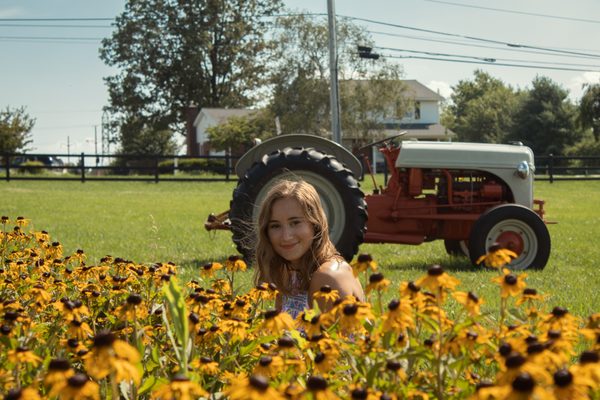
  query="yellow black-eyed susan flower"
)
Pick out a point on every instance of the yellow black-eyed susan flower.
point(234, 264)
point(206, 366)
point(497, 256)
point(319, 388)
point(208, 270)
point(256, 387)
point(363, 263)
point(22, 394)
point(269, 366)
point(437, 278)
point(470, 301)
point(377, 282)
point(398, 317)
point(111, 355)
point(571, 387)
point(561, 319)
point(588, 367)
point(353, 315)
point(59, 370)
point(277, 322)
point(134, 308)
point(76, 387)
point(23, 355)
point(181, 388)
point(511, 285)
point(326, 294)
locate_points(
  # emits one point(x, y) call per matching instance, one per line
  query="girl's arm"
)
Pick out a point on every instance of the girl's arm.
point(337, 275)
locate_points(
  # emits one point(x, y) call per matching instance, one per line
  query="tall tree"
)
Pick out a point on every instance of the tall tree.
point(171, 53)
point(589, 109)
point(482, 109)
point(15, 130)
point(369, 90)
point(546, 119)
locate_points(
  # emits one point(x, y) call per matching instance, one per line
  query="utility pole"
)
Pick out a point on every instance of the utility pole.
point(336, 129)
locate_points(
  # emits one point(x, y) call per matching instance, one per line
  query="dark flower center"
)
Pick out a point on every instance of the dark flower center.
point(319, 358)
point(350, 309)
point(559, 311)
point(269, 314)
point(105, 338)
point(510, 279)
point(563, 378)
point(359, 393)
point(393, 365)
point(179, 378)
point(514, 360)
point(285, 341)
point(505, 349)
point(233, 258)
point(240, 303)
point(435, 270)
point(554, 334)
point(376, 278)
point(473, 297)
point(316, 383)
point(393, 305)
point(259, 382)
point(59, 364)
point(523, 383)
point(363, 258)
point(530, 291)
point(194, 318)
point(265, 361)
point(326, 289)
point(134, 299)
point(413, 288)
point(77, 380)
point(589, 357)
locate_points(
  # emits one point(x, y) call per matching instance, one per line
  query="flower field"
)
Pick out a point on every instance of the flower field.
point(120, 329)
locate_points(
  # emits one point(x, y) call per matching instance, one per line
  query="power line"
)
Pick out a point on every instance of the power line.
point(467, 44)
point(489, 59)
point(488, 63)
point(53, 19)
point(514, 45)
point(49, 38)
point(591, 21)
point(53, 26)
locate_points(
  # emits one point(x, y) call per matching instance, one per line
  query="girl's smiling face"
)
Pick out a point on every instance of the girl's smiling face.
point(289, 231)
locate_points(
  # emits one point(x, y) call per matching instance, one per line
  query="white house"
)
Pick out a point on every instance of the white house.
point(421, 122)
point(206, 118)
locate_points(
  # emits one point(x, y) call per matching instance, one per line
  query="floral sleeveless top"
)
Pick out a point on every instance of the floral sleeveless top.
point(297, 301)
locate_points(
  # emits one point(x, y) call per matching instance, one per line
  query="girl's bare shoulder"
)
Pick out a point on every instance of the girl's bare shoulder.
point(334, 267)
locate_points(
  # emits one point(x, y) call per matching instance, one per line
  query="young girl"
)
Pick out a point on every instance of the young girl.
point(294, 250)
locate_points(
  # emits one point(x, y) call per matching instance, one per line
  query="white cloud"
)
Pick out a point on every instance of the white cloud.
point(576, 84)
point(443, 88)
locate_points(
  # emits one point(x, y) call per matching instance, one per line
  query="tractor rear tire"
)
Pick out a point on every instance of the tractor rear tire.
point(457, 248)
point(342, 199)
point(516, 228)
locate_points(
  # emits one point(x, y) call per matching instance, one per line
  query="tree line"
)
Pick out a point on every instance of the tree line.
point(249, 53)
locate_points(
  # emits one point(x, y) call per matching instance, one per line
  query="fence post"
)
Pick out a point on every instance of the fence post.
point(551, 167)
point(82, 167)
point(227, 166)
point(7, 161)
point(155, 169)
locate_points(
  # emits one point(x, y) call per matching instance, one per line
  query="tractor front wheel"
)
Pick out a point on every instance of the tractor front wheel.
point(457, 248)
point(513, 227)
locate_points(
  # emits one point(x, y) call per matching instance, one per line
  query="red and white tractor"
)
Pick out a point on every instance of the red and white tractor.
point(470, 195)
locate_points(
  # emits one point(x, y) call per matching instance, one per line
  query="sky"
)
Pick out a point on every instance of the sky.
point(55, 71)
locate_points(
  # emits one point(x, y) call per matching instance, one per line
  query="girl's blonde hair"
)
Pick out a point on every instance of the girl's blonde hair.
point(273, 268)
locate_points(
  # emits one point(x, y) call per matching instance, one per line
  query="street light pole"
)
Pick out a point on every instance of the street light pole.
point(336, 129)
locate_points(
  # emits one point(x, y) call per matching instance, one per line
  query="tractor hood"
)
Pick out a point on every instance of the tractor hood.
point(481, 156)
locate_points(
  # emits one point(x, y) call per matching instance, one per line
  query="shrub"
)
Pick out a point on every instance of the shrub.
point(32, 167)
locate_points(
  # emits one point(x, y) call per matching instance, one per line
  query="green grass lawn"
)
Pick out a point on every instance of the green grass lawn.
point(147, 222)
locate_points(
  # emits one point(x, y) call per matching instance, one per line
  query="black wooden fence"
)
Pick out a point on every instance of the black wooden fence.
point(96, 167)
point(122, 167)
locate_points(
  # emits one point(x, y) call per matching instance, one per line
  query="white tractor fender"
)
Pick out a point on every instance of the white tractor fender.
point(256, 153)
